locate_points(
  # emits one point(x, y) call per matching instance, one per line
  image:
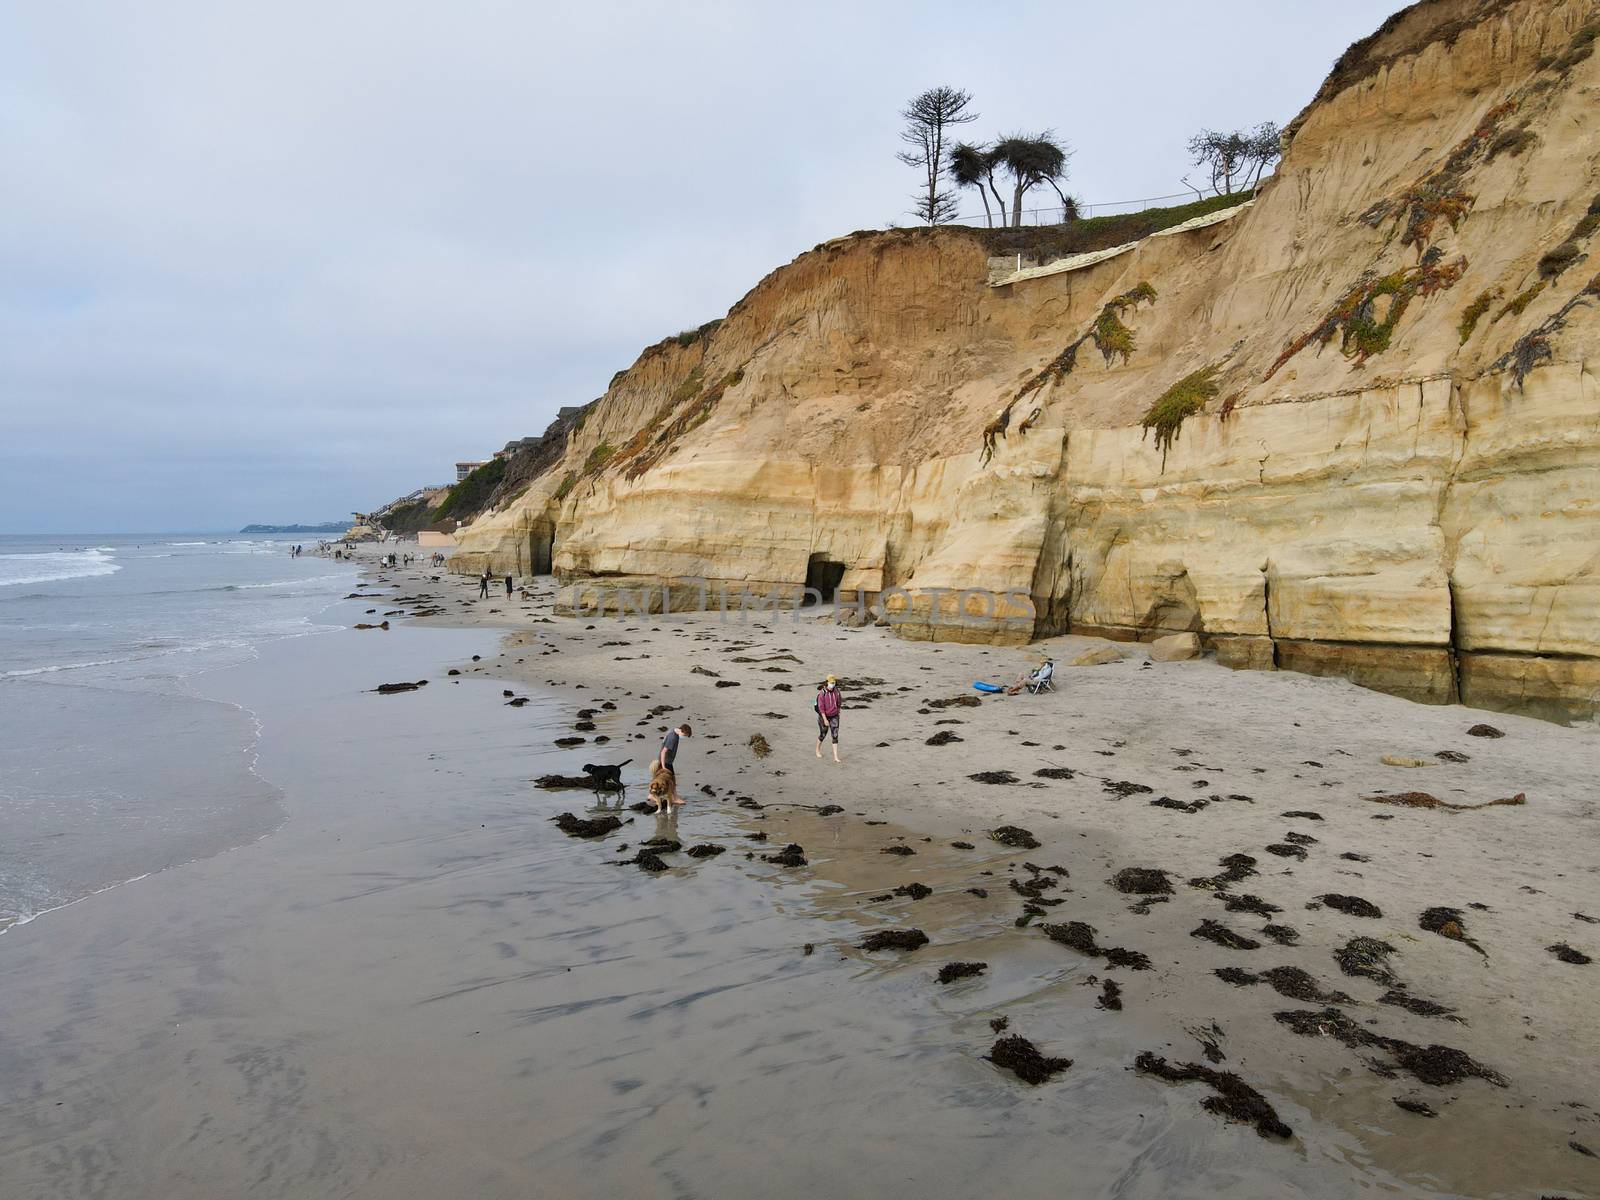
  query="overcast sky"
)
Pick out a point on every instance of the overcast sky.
point(277, 260)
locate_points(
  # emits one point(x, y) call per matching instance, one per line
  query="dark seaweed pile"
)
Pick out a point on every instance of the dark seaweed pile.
point(895, 939)
point(1234, 1100)
point(1020, 1056)
point(586, 828)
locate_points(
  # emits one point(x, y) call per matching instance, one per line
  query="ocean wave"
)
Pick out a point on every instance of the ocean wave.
point(54, 565)
point(77, 666)
point(285, 582)
point(190, 543)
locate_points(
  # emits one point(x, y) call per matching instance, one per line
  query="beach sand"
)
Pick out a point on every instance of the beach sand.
point(418, 987)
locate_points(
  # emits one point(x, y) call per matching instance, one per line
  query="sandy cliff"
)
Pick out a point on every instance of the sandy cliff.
point(1373, 442)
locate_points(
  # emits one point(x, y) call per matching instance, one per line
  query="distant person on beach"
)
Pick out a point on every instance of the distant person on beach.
point(483, 585)
point(666, 757)
point(827, 705)
point(508, 587)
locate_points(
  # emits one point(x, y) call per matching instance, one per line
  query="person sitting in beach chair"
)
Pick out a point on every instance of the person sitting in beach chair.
point(1039, 681)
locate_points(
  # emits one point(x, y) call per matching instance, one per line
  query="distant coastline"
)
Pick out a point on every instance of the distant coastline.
point(325, 527)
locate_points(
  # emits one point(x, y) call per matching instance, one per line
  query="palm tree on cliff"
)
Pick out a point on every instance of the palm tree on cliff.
point(973, 166)
point(1031, 161)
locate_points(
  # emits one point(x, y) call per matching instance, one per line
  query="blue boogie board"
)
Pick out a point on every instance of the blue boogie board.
point(988, 687)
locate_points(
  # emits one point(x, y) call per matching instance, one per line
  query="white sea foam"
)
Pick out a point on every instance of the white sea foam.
point(289, 582)
point(55, 565)
point(77, 666)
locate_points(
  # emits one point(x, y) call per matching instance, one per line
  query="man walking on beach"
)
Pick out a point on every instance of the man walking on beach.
point(827, 705)
point(665, 758)
point(483, 585)
point(508, 587)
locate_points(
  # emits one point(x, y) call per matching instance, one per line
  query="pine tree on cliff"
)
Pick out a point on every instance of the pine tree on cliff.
point(929, 118)
point(1231, 157)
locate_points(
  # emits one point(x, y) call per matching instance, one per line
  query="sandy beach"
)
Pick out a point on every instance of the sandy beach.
point(418, 987)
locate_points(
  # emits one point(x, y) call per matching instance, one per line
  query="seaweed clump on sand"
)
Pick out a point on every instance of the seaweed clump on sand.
point(1425, 800)
point(1448, 923)
point(1434, 1065)
point(588, 783)
point(580, 827)
point(1353, 906)
point(1235, 1100)
point(1415, 1106)
point(895, 939)
point(1568, 955)
point(1247, 903)
point(645, 860)
point(792, 855)
point(916, 891)
point(943, 738)
point(1211, 931)
point(1235, 867)
point(1142, 881)
point(1079, 936)
point(1397, 998)
point(705, 850)
point(1368, 958)
point(1126, 787)
point(902, 851)
point(993, 777)
point(1015, 836)
point(1110, 997)
point(1286, 981)
point(953, 971)
point(1021, 1057)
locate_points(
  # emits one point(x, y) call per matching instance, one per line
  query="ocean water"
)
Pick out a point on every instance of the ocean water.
point(112, 765)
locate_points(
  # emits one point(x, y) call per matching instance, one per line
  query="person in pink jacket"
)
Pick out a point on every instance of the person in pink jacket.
point(827, 705)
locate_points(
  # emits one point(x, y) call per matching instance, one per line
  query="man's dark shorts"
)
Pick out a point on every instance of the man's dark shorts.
point(827, 725)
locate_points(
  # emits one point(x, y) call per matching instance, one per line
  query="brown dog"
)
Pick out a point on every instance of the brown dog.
point(663, 786)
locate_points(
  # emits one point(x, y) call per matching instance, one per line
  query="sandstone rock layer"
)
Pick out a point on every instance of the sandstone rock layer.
point(1373, 442)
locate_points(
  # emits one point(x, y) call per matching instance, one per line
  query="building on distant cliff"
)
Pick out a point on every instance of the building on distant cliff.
point(463, 469)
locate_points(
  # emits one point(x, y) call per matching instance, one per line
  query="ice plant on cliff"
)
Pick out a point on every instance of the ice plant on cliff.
point(1356, 318)
point(1180, 401)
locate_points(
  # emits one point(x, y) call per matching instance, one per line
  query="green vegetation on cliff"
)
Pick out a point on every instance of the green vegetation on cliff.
point(1180, 401)
point(471, 495)
point(1100, 233)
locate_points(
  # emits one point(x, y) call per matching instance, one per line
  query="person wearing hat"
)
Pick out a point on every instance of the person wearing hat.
point(827, 705)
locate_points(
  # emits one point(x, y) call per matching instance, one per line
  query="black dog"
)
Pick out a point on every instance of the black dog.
point(610, 776)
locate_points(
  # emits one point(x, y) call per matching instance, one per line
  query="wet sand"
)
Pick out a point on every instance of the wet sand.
point(418, 987)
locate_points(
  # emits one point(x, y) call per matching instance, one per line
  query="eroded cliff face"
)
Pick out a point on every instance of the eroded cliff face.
point(1375, 448)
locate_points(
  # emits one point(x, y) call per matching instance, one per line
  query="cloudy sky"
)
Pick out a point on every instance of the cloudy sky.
point(273, 260)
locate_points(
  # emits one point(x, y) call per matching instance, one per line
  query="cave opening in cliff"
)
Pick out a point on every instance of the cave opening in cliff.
point(823, 575)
